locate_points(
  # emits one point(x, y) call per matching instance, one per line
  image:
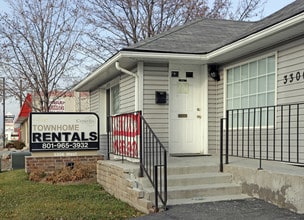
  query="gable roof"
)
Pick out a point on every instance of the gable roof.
point(198, 37)
point(285, 13)
point(206, 35)
point(205, 41)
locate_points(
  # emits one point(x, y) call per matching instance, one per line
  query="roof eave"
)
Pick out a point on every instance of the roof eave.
point(165, 56)
point(82, 84)
point(259, 35)
point(136, 56)
point(212, 56)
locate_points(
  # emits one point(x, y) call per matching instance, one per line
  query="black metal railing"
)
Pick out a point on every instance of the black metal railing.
point(154, 163)
point(130, 136)
point(265, 133)
point(124, 135)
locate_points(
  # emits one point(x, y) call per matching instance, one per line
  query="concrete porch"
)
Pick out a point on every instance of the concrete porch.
point(196, 179)
point(279, 183)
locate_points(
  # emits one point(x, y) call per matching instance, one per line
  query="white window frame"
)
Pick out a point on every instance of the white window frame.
point(112, 109)
point(109, 86)
point(256, 59)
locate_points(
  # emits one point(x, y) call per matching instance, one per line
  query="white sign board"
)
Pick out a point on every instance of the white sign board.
point(64, 131)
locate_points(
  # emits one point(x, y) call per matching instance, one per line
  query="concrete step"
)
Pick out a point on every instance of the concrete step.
point(207, 199)
point(192, 179)
point(191, 183)
point(197, 191)
point(194, 191)
point(198, 179)
point(177, 170)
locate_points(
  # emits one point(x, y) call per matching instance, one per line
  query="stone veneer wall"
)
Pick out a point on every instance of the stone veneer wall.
point(50, 164)
point(121, 180)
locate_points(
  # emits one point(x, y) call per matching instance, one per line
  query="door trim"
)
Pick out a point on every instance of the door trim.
point(203, 88)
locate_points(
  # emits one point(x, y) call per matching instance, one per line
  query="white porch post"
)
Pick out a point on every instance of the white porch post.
point(140, 89)
point(204, 83)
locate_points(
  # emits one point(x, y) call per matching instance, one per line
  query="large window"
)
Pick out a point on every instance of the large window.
point(115, 100)
point(249, 86)
point(252, 84)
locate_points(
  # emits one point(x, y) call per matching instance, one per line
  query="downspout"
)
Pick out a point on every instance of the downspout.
point(119, 68)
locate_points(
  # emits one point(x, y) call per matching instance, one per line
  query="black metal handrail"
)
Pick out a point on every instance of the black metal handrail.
point(154, 163)
point(265, 133)
point(130, 136)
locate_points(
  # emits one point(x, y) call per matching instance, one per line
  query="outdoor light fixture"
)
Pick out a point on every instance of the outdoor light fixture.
point(213, 71)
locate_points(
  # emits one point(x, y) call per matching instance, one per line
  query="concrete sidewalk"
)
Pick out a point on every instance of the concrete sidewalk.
point(249, 209)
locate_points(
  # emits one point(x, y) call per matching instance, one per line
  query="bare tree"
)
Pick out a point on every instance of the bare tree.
point(247, 9)
point(120, 23)
point(39, 40)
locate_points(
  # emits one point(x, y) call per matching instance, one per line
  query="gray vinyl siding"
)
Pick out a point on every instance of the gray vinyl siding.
point(156, 79)
point(215, 112)
point(290, 61)
point(95, 101)
point(95, 106)
point(127, 94)
point(212, 119)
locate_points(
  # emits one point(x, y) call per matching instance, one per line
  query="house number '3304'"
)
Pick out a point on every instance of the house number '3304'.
point(290, 78)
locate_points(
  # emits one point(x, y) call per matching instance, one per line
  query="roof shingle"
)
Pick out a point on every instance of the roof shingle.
point(205, 35)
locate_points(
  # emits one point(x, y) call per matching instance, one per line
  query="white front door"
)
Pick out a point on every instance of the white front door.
point(185, 110)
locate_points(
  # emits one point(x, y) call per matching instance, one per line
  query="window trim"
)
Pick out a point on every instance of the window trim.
point(109, 86)
point(247, 61)
point(111, 99)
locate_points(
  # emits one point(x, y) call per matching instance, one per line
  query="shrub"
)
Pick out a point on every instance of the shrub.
point(37, 175)
point(67, 174)
point(9, 145)
point(15, 144)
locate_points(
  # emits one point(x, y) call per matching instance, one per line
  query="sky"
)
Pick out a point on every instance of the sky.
point(274, 5)
point(271, 6)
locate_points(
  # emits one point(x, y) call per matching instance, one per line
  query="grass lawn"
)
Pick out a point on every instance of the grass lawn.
point(24, 199)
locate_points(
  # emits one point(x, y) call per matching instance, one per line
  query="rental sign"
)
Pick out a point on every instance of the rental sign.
point(126, 134)
point(64, 131)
